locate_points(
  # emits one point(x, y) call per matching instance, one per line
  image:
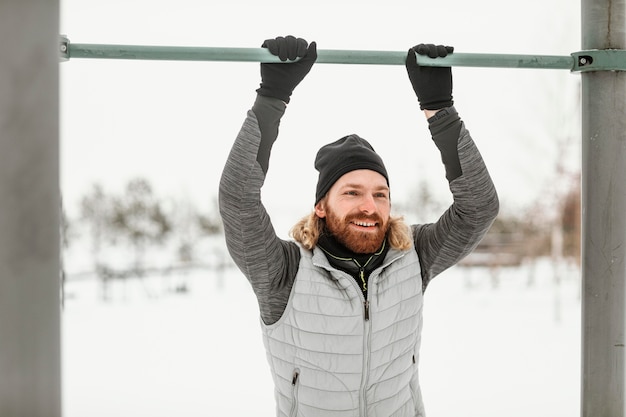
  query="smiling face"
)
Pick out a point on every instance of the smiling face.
point(357, 209)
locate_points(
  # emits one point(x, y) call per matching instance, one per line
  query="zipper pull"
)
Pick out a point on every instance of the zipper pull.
point(366, 304)
point(362, 276)
point(294, 379)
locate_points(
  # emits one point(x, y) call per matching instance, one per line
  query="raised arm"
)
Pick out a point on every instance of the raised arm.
point(475, 201)
point(268, 262)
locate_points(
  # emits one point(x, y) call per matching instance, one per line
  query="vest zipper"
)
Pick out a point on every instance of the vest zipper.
point(366, 358)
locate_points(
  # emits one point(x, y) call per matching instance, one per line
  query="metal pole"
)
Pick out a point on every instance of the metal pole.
point(30, 336)
point(604, 216)
point(325, 56)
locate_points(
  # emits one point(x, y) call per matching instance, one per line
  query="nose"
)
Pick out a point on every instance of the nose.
point(367, 204)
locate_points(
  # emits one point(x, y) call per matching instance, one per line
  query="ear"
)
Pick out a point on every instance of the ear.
point(320, 211)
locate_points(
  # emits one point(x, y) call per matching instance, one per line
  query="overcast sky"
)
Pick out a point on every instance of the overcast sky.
point(174, 122)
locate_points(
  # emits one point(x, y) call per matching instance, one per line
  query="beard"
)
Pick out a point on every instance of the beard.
point(357, 241)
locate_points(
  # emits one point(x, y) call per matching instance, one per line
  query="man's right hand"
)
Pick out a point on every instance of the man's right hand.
point(279, 80)
point(432, 85)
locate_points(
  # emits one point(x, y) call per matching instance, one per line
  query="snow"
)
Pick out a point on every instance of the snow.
point(490, 348)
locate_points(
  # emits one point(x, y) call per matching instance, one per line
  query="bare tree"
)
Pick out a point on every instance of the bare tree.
point(139, 218)
point(96, 211)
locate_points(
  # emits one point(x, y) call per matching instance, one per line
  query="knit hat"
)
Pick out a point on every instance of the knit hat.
point(342, 156)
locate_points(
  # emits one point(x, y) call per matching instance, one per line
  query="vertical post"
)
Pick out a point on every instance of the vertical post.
point(30, 347)
point(604, 216)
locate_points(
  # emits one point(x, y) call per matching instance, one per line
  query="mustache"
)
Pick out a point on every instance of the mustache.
point(374, 218)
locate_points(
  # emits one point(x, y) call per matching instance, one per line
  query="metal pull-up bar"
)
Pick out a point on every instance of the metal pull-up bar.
point(580, 61)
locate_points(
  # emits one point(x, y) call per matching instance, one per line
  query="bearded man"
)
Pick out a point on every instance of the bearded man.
point(341, 304)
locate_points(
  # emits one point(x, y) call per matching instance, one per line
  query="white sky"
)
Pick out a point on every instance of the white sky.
point(174, 122)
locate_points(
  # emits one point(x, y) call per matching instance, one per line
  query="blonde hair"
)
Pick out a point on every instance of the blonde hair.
point(307, 231)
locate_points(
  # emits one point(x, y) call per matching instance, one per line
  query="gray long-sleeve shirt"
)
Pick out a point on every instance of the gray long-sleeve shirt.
point(270, 263)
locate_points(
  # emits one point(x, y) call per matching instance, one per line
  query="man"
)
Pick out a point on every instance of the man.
point(341, 307)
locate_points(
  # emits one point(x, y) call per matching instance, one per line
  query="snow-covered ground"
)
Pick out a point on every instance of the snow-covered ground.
point(504, 349)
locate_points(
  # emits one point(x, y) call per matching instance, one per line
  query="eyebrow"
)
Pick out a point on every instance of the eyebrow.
point(355, 185)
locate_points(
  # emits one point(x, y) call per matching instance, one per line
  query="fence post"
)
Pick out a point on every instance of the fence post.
point(30, 346)
point(604, 216)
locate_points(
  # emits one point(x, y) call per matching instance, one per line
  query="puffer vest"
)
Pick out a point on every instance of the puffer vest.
point(335, 354)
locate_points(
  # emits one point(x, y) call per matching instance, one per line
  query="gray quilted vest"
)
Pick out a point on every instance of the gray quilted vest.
point(335, 354)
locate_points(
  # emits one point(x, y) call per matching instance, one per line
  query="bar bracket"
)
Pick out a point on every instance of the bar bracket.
point(64, 48)
point(599, 60)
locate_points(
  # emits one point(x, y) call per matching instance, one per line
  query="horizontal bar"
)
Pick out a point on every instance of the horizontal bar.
point(328, 56)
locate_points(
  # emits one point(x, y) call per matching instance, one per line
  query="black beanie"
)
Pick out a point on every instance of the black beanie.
point(342, 156)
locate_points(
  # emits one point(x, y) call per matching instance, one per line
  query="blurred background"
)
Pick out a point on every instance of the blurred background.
point(157, 320)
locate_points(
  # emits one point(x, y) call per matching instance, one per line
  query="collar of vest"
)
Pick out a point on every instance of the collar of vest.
point(319, 259)
point(342, 258)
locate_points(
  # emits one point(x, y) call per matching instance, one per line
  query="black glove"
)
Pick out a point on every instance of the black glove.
point(279, 80)
point(433, 85)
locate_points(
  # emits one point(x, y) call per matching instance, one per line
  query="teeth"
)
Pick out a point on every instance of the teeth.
point(365, 224)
